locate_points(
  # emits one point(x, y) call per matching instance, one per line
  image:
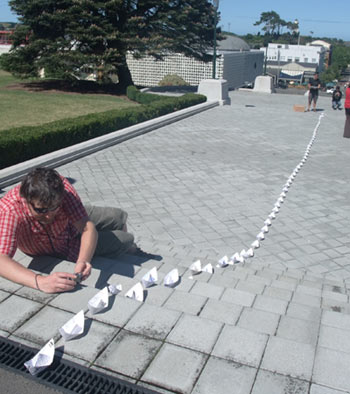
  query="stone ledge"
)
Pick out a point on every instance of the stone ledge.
point(13, 174)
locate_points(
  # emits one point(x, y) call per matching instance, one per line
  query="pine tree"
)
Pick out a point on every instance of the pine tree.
point(62, 36)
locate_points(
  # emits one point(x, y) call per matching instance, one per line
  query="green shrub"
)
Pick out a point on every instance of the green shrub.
point(24, 143)
point(142, 98)
point(172, 80)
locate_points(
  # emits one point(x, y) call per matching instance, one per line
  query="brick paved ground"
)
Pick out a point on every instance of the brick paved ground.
point(202, 188)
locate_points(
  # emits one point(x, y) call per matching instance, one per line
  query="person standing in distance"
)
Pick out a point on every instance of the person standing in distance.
point(347, 112)
point(314, 86)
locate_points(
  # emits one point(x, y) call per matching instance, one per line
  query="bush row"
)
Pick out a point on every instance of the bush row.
point(24, 143)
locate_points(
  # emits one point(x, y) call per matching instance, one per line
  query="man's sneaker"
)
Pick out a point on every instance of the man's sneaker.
point(136, 251)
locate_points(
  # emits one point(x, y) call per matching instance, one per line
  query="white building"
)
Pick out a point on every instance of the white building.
point(280, 57)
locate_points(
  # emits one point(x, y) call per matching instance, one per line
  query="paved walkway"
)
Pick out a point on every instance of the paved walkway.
point(202, 188)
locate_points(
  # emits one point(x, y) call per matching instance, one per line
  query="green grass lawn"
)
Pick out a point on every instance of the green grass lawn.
point(22, 108)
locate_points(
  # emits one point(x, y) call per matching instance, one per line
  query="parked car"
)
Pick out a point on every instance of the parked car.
point(330, 90)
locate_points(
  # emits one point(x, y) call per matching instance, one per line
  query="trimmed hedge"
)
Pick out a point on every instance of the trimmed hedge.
point(24, 143)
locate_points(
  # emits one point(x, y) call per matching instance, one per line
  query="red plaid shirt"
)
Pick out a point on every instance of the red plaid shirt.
point(19, 229)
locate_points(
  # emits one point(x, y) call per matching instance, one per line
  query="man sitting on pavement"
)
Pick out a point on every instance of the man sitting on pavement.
point(45, 216)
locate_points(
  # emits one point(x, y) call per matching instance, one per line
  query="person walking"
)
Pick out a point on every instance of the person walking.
point(314, 86)
point(347, 112)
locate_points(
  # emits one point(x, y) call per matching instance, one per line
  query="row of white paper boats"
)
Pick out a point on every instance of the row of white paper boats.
point(241, 257)
point(99, 302)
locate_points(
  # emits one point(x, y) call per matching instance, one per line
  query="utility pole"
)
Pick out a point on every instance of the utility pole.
point(216, 6)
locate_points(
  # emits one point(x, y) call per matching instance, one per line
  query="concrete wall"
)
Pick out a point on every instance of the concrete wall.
point(149, 72)
point(241, 67)
point(235, 67)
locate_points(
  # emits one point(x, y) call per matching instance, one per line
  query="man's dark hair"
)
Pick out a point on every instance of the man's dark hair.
point(43, 185)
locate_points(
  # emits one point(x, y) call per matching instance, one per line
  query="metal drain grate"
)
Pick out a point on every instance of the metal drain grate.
point(64, 375)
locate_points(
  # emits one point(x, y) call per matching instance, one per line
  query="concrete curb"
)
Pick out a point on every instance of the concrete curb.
point(13, 174)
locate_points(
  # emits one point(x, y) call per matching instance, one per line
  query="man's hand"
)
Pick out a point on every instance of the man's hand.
point(84, 268)
point(57, 282)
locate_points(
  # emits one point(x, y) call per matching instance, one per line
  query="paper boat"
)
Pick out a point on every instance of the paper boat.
point(42, 359)
point(172, 278)
point(150, 278)
point(136, 292)
point(99, 301)
point(74, 327)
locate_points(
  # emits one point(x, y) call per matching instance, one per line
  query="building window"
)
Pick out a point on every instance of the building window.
point(306, 59)
point(314, 60)
point(297, 59)
point(289, 58)
point(283, 58)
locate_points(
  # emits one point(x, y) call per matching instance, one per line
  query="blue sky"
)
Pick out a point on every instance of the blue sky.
point(325, 18)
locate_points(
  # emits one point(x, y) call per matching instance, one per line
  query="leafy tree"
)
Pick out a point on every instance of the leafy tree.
point(62, 36)
point(340, 61)
point(272, 21)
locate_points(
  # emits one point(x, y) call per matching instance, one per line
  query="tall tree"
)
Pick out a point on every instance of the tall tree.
point(62, 36)
point(272, 21)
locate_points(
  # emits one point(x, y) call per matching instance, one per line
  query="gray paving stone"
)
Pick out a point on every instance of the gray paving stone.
point(154, 388)
point(184, 302)
point(221, 311)
point(282, 284)
point(223, 280)
point(298, 330)
point(44, 325)
point(113, 374)
point(332, 369)
point(4, 295)
point(259, 321)
point(89, 345)
point(35, 295)
point(153, 321)
point(238, 297)
point(74, 301)
point(129, 354)
point(119, 311)
point(337, 306)
point(240, 345)
point(207, 290)
point(305, 312)
point(269, 304)
point(157, 295)
point(289, 358)
point(306, 299)
point(272, 383)
point(336, 319)
point(222, 377)
point(14, 311)
point(175, 368)
point(312, 291)
point(4, 334)
point(195, 333)
point(316, 389)
point(335, 296)
point(251, 287)
point(185, 284)
point(8, 286)
point(282, 294)
point(335, 338)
